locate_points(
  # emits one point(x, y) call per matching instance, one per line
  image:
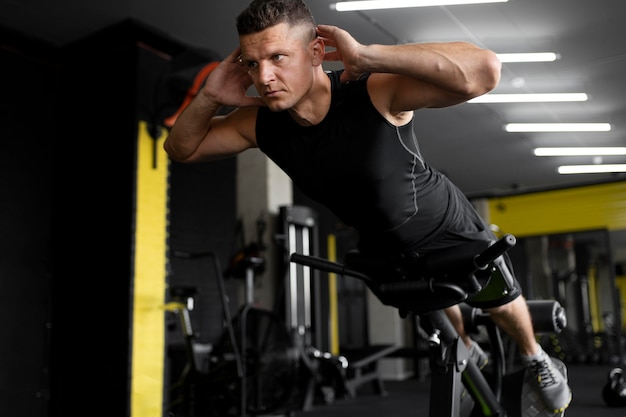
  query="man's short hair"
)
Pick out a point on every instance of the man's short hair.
point(262, 14)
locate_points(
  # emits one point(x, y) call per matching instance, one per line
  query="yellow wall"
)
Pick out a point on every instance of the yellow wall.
point(574, 209)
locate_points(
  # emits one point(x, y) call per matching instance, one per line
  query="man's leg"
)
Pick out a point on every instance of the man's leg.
point(476, 353)
point(514, 319)
point(456, 319)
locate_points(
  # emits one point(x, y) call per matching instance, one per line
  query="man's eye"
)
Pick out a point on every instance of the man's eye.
point(278, 57)
point(252, 65)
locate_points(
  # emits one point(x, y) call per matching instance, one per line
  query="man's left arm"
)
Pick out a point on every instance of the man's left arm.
point(412, 76)
point(418, 75)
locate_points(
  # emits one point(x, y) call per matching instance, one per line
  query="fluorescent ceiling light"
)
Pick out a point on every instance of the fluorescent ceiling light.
point(580, 151)
point(557, 127)
point(528, 57)
point(347, 6)
point(591, 169)
point(529, 98)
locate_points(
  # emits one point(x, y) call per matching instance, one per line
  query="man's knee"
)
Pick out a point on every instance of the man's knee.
point(507, 308)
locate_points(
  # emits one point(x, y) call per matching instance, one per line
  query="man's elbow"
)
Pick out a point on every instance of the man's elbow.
point(492, 71)
point(174, 153)
point(486, 77)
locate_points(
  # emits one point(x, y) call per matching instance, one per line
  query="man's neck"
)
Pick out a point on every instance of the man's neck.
point(314, 106)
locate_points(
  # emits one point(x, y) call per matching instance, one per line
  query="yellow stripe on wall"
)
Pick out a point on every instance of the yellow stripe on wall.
point(595, 300)
point(620, 283)
point(332, 297)
point(574, 209)
point(148, 333)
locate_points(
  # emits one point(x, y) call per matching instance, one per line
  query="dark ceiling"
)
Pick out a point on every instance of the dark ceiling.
point(468, 141)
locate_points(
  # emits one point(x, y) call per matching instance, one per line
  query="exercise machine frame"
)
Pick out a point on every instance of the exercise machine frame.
point(425, 286)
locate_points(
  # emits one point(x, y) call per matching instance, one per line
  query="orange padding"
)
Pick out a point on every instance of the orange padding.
point(198, 82)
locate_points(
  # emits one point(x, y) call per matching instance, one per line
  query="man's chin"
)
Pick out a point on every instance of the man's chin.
point(275, 105)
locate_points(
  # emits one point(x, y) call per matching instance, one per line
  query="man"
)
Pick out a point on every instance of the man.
point(346, 139)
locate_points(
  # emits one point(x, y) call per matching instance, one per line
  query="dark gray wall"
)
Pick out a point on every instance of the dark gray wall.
point(68, 130)
point(27, 158)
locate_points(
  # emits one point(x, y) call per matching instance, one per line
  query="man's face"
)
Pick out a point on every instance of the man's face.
point(280, 62)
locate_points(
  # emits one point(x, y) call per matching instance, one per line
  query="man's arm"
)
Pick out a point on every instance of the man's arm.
point(412, 76)
point(432, 74)
point(199, 134)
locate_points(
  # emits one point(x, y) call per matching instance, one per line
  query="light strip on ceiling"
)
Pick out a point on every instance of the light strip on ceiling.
point(348, 6)
point(528, 57)
point(557, 127)
point(529, 98)
point(591, 169)
point(580, 151)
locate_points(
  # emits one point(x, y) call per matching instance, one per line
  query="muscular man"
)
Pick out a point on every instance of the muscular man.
point(346, 139)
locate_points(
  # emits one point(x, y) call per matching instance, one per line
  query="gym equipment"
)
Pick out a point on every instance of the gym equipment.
point(269, 359)
point(268, 356)
point(257, 366)
point(614, 391)
point(252, 367)
point(194, 392)
point(363, 367)
point(424, 286)
point(331, 375)
point(321, 373)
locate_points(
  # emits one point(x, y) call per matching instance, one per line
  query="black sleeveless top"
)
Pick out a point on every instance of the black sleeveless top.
point(368, 172)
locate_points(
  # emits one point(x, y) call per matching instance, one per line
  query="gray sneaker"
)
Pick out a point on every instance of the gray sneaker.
point(478, 355)
point(551, 382)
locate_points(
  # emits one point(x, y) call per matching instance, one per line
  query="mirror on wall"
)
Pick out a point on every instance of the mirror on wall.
point(584, 271)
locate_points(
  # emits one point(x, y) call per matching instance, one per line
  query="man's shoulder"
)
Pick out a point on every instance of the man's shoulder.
point(347, 90)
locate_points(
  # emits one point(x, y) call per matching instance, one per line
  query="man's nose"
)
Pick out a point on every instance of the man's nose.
point(266, 73)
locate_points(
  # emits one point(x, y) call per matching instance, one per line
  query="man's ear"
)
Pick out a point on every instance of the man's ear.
point(318, 51)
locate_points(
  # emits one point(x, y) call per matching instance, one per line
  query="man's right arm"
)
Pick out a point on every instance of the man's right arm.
point(199, 134)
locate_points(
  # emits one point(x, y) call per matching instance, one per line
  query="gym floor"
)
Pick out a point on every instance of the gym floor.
point(410, 398)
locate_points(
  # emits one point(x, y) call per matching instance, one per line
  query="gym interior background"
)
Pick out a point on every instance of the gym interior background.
point(98, 225)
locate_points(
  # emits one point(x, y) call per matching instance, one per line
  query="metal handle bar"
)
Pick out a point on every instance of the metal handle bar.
point(492, 252)
point(328, 266)
point(449, 259)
